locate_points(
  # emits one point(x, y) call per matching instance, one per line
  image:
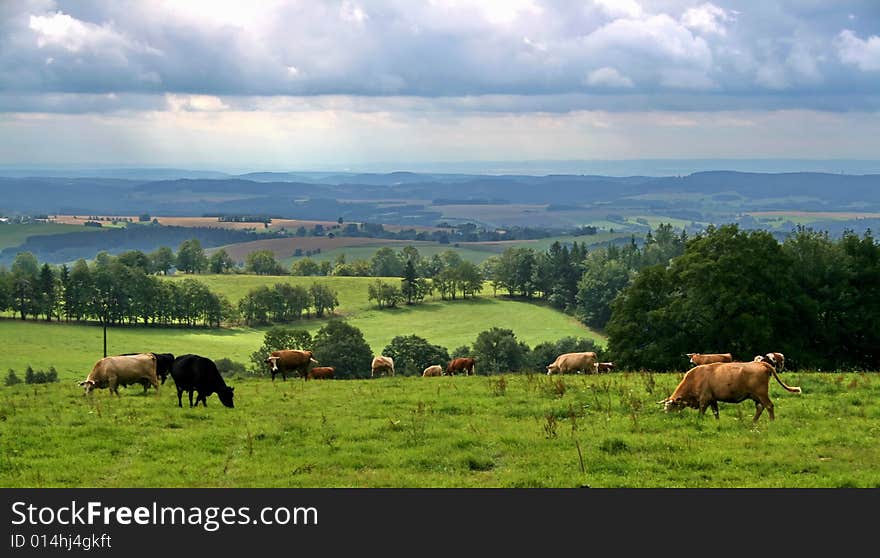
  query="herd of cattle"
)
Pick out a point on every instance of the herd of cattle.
point(713, 378)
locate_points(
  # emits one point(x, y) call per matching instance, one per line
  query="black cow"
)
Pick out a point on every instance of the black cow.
point(197, 373)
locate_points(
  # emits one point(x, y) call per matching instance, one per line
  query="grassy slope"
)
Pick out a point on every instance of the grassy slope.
point(13, 235)
point(442, 432)
point(73, 349)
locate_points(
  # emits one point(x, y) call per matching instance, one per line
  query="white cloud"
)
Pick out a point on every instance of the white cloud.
point(620, 8)
point(71, 34)
point(706, 18)
point(608, 77)
point(349, 11)
point(195, 103)
point(864, 54)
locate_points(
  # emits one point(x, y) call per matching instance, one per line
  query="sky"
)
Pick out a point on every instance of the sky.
point(306, 85)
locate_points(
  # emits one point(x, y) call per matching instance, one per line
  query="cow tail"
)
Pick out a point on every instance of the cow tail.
point(788, 388)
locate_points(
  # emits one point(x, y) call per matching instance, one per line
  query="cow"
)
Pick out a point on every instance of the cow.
point(574, 362)
point(605, 367)
point(465, 364)
point(729, 382)
point(197, 373)
point(321, 373)
point(708, 358)
point(163, 367)
point(776, 359)
point(122, 370)
point(290, 360)
point(434, 370)
point(382, 364)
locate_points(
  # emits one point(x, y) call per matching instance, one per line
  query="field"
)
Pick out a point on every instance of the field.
point(15, 234)
point(73, 349)
point(480, 431)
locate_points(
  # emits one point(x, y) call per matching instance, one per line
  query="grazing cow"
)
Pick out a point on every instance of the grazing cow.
point(199, 374)
point(605, 367)
point(730, 382)
point(698, 358)
point(122, 370)
point(465, 364)
point(776, 359)
point(321, 373)
point(435, 370)
point(574, 362)
point(163, 367)
point(382, 364)
point(290, 360)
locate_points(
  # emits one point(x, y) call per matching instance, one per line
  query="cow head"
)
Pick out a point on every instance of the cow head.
point(552, 369)
point(670, 404)
point(272, 361)
point(691, 357)
point(89, 385)
point(225, 396)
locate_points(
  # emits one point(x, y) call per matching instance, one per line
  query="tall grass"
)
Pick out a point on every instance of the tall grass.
point(603, 431)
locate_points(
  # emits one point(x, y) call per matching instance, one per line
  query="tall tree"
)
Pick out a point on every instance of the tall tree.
point(191, 257)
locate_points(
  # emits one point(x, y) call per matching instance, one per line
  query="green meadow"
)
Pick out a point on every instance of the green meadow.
point(524, 430)
point(73, 349)
point(15, 234)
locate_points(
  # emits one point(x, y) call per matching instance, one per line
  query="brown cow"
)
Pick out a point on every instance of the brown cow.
point(708, 358)
point(574, 362)
point(321, 373)
point(776, 359)
point(290, 360)
point(435, 370)
point(605, 367)
point(730, 382)
point(114, 371)
point(382, 364)
point(466, 364)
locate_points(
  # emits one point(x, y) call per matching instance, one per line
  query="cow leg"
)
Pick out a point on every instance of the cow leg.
point(191, 399)
point(760, 405)
point(114, 386)
point(714, 405)
point(179, 396)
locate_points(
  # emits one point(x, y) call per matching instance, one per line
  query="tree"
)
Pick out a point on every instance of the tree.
point(136, 259)
point(191, 257)
point(48, 293)
point(343, 347)
point(386, 263)
point(11, 378)
point(412, 354)
point(599, 285)
point(25, 291)
point(162, 260)
point(324, 299)
point(263, 262)
point(497, 350)
point(221, 262)
point(413, 287)
point(305, 267)
point(385, 294)
point(276, 339)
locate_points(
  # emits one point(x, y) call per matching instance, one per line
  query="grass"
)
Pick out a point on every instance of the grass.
point(15, 234)
point(598, 431)
point(73, 349)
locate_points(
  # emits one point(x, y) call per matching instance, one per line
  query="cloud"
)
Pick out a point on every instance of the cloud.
point(707, 18)
point(853, 51)
point(665, 50)
point(608, 77)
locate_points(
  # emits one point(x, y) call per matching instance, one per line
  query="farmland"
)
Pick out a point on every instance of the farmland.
point(446, 323)
point(480, 431)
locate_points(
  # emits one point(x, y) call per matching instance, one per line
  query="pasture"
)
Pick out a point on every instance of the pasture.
point(602, 431)
point(73, 349)
point(15, 234)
